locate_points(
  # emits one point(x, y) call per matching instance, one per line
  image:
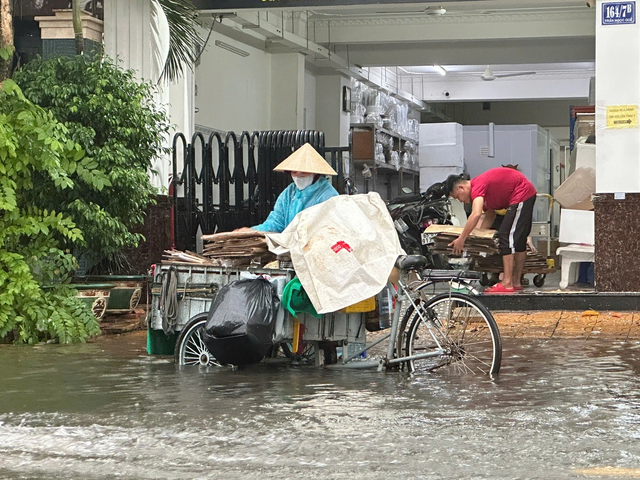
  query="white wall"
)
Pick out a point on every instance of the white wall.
point(309, 100)
point(287, 91)
point(127, 34)
point(329, 115)
point(234, 92)
point(618, 83)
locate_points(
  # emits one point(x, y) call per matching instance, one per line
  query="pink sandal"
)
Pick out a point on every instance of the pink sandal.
point(498, 289)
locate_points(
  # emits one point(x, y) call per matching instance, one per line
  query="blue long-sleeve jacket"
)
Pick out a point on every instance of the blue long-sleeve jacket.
point(292, 201)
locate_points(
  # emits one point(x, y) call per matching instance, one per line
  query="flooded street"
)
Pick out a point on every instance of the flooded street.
point(559, 409)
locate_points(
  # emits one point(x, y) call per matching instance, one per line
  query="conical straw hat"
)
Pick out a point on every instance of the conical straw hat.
point(307, 160)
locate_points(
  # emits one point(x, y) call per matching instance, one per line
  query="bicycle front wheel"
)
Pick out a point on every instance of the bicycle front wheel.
point(457, 332)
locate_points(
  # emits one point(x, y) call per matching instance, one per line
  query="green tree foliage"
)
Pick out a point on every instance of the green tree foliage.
point(36, 301)
point(115, 120)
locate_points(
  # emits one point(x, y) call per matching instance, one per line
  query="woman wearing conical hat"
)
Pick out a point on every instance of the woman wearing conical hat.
point(310, 187)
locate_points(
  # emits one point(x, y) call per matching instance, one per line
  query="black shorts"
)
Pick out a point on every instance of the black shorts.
point(515, 227)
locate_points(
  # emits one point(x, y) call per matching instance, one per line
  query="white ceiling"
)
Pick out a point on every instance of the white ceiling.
point(554, 38)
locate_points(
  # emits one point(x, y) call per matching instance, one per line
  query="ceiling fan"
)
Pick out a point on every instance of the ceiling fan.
point(488, 74)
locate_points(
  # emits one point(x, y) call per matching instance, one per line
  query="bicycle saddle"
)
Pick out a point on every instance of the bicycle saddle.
point(411, 262)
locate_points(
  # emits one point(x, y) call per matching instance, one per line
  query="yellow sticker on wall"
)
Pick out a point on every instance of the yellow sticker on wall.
point(622, 116)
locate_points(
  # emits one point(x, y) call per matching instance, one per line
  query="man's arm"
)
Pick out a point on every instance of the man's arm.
point(472, 222)
point(489, 217)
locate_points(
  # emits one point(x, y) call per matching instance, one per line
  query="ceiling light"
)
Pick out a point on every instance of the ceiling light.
point(440, 70)
point(231, 48)
point(439, 11)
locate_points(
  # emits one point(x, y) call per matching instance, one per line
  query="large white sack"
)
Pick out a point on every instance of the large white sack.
point(343, 250)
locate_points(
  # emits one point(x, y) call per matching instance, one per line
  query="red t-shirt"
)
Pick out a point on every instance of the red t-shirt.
point(501, 187)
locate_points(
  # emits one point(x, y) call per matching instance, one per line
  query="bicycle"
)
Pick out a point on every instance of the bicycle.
point(450, 331)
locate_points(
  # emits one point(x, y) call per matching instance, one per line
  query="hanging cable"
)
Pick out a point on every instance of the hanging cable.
point(169, 300)
point(213, 22)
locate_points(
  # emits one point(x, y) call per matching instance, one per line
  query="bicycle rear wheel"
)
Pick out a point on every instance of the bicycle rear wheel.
point(459, 332)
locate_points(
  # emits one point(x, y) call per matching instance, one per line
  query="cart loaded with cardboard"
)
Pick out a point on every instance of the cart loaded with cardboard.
point(481, 247)
point(318, 285)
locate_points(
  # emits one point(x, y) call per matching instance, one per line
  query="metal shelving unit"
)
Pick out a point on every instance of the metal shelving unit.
point(385, 178)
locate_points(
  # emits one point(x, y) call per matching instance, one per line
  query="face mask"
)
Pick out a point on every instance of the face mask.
point(303, 182)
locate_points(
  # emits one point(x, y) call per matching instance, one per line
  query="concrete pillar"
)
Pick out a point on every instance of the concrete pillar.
point(287, 91)
point(617, 202)
point(329, 115)
point(129, 36)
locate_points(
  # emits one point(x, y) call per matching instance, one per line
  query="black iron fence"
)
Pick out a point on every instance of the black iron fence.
point(227, 181)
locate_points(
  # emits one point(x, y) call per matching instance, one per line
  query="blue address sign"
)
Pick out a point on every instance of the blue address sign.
point(618, 13)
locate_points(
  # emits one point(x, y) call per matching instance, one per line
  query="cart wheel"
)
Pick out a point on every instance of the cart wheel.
point(306, 354)
point(538, 280)
point(484, 279)
point(493, 279)
point(135, 298)
point(99, 307)
point(190, 347)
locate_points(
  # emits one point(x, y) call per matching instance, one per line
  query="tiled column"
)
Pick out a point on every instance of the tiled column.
point(617, 214)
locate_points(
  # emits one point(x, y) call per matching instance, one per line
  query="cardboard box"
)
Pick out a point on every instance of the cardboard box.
point(449, 133)
point(441, 155)
point(585, 154)
point(542, 250)
point(431, 175)
point(577, 226)
point(585, 125)
point(575, 192)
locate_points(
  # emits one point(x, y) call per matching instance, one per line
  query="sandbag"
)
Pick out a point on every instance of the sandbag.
point(343, 250)
point(239, 328)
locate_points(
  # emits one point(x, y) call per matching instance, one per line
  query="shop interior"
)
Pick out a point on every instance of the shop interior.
point(420, 91)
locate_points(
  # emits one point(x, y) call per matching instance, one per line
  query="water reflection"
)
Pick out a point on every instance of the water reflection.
point(559, 409)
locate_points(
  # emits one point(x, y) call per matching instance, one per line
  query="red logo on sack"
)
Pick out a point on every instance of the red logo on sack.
point(341, 245)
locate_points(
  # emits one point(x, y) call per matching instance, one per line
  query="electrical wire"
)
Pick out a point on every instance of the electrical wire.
point(213, 22)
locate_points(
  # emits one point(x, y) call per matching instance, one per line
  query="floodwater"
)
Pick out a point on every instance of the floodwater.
point(559, 409)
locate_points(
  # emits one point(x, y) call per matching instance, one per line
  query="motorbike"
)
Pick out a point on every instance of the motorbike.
point(412, 213)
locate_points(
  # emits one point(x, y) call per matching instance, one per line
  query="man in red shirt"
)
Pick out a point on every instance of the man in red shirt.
point(493, 190)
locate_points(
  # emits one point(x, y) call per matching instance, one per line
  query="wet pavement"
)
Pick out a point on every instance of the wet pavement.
point(561, 408)
point(586, 324)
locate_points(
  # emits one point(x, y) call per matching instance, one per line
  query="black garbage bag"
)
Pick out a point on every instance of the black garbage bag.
point(239, 328)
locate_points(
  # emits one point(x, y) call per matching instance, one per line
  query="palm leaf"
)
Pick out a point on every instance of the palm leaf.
point(183, 37)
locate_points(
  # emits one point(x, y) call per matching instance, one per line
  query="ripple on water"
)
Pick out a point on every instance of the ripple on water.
point(557, 406)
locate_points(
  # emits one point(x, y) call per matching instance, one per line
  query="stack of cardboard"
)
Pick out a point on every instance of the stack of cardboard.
point(177, 256)
point(481, 242)
point(236, 249)
point(481, 245)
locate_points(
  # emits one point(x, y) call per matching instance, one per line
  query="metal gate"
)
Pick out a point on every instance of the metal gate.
point(227, 183)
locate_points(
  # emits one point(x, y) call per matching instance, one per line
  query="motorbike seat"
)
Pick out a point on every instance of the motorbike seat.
point(411, 262)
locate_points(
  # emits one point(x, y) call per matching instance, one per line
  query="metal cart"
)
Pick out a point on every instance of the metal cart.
point(195, 287)
point(542, 229)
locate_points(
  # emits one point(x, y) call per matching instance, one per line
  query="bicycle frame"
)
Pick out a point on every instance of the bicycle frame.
point(402, 295)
